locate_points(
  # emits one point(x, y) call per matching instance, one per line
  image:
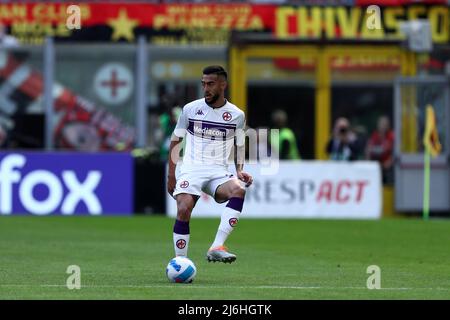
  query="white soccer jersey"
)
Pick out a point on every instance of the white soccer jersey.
point(210, 132)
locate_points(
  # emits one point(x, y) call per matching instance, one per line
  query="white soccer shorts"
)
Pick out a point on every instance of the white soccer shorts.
point(195, 179)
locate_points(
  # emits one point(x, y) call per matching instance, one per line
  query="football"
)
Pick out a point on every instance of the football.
point(181, 270)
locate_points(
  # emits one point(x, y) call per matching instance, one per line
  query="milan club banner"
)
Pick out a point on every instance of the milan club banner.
point(80, 123)
point(182, 23)
point(307, 189)
point(66, 183)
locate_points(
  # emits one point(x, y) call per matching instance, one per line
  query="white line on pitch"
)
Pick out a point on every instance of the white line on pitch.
point(194, 286)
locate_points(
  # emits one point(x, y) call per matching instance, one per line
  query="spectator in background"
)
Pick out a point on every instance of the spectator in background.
point(362, 137)
point(343, 143)
point(381, 146)
point(3, 137)
point(287, 143)
point(168, 121)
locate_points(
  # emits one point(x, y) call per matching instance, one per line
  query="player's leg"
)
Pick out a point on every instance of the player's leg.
point(234, 193)
point(181, 232)
point(186, 193)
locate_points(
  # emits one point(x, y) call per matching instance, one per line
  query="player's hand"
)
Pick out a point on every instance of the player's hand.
point(247, 178)
point(171, 183)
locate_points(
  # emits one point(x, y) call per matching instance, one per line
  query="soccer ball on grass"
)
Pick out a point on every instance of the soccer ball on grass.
point(181, 270)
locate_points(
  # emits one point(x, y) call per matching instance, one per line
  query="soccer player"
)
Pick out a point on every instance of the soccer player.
point(211, 126)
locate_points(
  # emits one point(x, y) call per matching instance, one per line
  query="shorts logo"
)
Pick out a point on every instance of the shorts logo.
point(233, 221)
point(184, 184)
point(181, 243)
point(226, 116)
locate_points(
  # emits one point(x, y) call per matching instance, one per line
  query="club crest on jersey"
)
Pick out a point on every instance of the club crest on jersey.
point(200, 112)
point(184, 184)
point(181, 243)
point(233, 221)
point(226, 116)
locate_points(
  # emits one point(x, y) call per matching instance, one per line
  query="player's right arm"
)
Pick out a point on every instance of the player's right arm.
point(240, 155)
point(174, 156)
point(174, 150)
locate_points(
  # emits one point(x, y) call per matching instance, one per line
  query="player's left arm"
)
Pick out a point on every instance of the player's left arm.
point(242, 175)
point(239, 158)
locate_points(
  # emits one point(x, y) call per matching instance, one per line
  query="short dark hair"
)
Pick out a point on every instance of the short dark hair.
point(219, 70)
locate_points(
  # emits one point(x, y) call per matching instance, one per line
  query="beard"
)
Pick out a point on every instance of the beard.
point(212, 99)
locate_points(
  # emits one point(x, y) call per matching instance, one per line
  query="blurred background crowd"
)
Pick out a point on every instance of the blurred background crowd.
point(118, 82)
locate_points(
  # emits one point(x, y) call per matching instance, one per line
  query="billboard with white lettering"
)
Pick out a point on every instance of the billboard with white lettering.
point(66, 183)
point(306, 189)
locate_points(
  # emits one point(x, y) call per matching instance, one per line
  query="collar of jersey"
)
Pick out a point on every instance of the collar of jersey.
point(217, 107)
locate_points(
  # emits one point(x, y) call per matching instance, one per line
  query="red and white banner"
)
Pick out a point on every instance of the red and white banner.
point(200, 23)
point(307, 189)
point(80, 124)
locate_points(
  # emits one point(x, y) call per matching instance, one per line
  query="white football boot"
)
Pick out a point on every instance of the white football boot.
point(220, 254)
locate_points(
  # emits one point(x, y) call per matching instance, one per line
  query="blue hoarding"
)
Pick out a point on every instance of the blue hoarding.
point(66, 183)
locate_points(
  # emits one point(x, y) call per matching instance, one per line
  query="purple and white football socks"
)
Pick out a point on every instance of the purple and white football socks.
point(228, 220)
point(181, 237)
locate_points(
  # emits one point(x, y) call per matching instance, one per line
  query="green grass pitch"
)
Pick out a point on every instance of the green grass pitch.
point(126, 257)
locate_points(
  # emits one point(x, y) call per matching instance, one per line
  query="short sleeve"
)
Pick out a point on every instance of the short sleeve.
point(240, 131)
point(182, 124)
